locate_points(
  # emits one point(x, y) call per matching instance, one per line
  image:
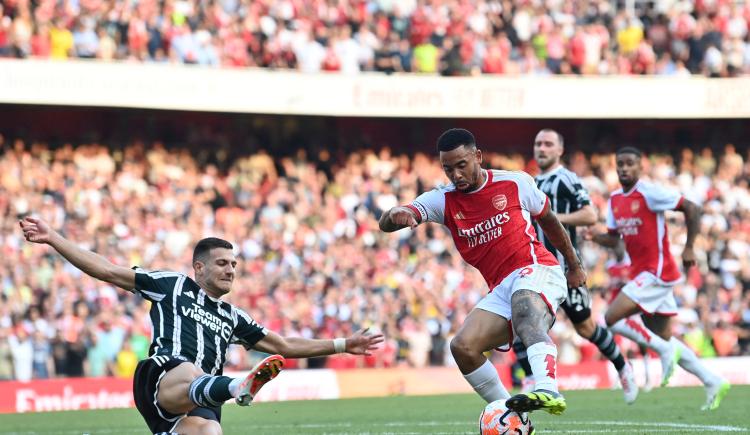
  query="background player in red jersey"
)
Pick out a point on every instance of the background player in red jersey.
point(636, 215)
point(489, 214)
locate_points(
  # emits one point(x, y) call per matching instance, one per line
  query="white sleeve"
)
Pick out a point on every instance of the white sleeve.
point(532, 199)
point(430, 205)
point(659, 198)
point(611, 224)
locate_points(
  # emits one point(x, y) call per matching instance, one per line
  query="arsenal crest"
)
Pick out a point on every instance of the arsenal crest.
point(634, 206)
point(500, 201)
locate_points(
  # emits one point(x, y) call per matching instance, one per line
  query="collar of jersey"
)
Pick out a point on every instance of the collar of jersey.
point(486, 181)
point(543, 176)
point(632, 189)
point(210, 297)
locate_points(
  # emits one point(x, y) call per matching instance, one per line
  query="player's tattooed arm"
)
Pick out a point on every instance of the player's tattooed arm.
point(692, 222)
point(556, 234)
point(397, 218)
point(38, 231)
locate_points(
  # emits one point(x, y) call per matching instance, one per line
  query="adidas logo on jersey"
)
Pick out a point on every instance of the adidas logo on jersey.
point(459, 216)
point(190, 295)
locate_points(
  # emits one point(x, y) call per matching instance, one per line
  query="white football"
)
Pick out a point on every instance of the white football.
point(497, 419)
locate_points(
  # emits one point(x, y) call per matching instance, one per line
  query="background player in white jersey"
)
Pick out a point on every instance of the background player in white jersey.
point(635, 214)
point(192, 329)
point(571, 204)
point(489, 214)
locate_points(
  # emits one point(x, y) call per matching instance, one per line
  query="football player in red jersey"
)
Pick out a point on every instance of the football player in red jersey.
point(489, 214)
point(635, 214)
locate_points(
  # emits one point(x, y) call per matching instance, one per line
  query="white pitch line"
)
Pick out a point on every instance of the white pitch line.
point(655, 427)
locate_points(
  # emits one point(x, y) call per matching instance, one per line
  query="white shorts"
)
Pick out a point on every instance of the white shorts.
point(652, 295)
point(548, 281)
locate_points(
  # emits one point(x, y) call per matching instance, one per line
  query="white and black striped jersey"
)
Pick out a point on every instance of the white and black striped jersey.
point(189, 324)
point(566, 194)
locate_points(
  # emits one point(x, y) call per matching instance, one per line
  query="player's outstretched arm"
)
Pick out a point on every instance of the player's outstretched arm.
point(608, 240)
point(360, 343)
point(556, 234)
point(36, 230)
point(397, 218)
point(584, 216)
point(693, 222)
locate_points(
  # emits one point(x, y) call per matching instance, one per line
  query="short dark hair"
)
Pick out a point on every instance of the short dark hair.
point(454, 138)
point(204, 247)
point(559, 136)
point(629, 150)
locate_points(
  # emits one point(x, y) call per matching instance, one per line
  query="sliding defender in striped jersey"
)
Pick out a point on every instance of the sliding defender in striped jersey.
point(490, 215)
point(179, 388)
point(570, 201)
point(635, 216)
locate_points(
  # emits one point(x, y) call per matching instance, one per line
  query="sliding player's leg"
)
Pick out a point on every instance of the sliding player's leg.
point(578, 309)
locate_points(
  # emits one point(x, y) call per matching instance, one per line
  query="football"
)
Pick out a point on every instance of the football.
point(497, 419)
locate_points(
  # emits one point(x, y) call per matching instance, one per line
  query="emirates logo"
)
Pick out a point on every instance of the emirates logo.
point(500, 202)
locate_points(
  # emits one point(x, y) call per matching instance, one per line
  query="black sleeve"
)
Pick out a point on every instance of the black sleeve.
point(248, 331)
point(156, 285)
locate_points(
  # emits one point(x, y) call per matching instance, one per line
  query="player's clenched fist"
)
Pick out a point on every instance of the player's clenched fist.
point(576, 276)
point(403, 216)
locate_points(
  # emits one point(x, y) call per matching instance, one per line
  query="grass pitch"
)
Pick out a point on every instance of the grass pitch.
point(662, 411)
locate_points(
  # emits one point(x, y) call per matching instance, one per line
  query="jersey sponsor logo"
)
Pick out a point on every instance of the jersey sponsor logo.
point(485, 231)
point(500, 202)
point(635, 206)
point(628, 226)
point(208, 320)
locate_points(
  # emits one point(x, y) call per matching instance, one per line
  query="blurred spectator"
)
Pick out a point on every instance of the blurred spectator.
point(125, 361)
point(22, 349)
point(450, 38)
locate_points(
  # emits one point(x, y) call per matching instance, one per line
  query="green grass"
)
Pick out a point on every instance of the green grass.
point(663, 411)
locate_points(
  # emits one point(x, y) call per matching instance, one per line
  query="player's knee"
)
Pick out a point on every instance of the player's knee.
point(586, 328)
point(211, 427)
point(460, 346)
point(194, 425)
point(527, 306)
point(610, 319)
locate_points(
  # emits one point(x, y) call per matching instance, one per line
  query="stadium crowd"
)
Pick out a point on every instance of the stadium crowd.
point(312, 260)
point(451, 37)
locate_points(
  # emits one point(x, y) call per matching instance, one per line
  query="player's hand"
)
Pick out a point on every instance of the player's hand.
point(36, 230)
point(403, 216)
point(688, 258)
point(361, 342)
point(590, 232)
point(576, 276)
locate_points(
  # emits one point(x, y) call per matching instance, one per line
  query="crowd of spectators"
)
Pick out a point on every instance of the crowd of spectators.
point(451, 37)
point(312, 259)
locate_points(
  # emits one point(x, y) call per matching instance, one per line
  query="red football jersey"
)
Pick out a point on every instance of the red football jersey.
point(638, 216)
point(491, 226)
